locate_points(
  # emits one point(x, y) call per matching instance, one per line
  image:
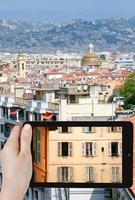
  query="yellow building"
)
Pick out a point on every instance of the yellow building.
point(81, 154)
point(21, 65)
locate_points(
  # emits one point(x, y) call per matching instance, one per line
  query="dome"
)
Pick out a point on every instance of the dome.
point(90, 58)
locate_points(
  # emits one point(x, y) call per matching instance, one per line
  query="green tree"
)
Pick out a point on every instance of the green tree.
point(128, 92)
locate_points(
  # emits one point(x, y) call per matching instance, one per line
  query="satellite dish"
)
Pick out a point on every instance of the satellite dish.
point(79, 88)
point(85, 87)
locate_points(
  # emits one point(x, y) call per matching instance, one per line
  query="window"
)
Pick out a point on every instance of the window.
point(35, 194)
point(27, 115)
point(65, 129)
point(0, 179)
point(7, 131)
point(57, 95)
point(64, 148)
point(37, 116)
point(89, 149)
point(38, 145)
point(115, 129)
point(89, 129)
point(115, 148)
point(65, 174)
point(108, 193)
point(2, 128)
point(116, 174)
point(89, 174)
point(22, 66)
point(72, 99)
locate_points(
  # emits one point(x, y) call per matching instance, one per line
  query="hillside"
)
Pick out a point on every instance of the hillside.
point(115, 34)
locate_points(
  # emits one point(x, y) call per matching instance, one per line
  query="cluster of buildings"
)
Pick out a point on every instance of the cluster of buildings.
point(68, 88)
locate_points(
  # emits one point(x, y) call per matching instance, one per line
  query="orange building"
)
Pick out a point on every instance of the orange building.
point(40, 148)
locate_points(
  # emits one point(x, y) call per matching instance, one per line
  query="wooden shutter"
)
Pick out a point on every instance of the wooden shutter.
point(83, 149)
point(109, 129)
point(87, 174)
point(93, 129)
point(113, 174)
point(71, 178)
point(114, 129)
point(69, 129)
point(94, 149)
point(59, 149)
point(91, 173)
point(59, 174)
point(117, 174)
point(59, 129)
point(120, 148)
point(109, 149)
point(38, 146)
point(70, 148)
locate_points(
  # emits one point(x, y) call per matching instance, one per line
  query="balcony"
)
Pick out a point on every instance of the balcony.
point(78, 90)
point(8, 102)
point(2, 99)
point(13, 115)
point(31, 105)
point(10, 120)
point(53, 107)
point(41, 107)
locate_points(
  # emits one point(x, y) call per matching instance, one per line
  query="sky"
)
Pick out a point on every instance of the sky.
point(61, 10)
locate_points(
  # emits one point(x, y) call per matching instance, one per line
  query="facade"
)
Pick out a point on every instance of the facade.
point(54, 61)
point(100, 151)
point(125, 61)
point(85, 154)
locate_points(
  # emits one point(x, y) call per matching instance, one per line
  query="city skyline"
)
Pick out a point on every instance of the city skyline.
point(58, 11)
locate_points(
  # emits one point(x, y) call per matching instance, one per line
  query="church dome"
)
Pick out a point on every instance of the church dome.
point(90, 58)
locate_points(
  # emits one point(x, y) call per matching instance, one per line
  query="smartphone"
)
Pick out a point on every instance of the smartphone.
point(82, 154)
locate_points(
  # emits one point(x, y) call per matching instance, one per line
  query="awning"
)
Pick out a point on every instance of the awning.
point(48, 115)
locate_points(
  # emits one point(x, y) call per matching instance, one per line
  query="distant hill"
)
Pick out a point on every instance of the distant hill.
point(115, 34)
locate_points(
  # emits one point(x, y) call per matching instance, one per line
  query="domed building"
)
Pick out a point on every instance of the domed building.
point(90, 58)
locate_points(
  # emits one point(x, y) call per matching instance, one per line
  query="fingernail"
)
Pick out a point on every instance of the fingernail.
point(27, 127)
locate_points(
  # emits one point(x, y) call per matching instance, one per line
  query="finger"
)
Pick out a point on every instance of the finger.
point(25, 139)
point(13, 140)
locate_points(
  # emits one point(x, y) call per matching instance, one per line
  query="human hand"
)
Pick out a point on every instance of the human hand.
point(16, 162)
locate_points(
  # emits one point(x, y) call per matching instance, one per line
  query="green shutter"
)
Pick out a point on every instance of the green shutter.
point(38, 146)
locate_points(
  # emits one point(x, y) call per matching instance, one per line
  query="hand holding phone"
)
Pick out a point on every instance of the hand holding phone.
point(82, 154)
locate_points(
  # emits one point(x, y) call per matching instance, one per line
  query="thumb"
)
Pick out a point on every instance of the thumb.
point(25, 139)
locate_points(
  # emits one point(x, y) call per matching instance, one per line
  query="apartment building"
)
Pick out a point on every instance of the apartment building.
point(25, 106)
point(16, 110)
point(85, 154)
point(52, 61)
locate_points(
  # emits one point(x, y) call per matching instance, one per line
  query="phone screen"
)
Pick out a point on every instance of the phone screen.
point(89, 154)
